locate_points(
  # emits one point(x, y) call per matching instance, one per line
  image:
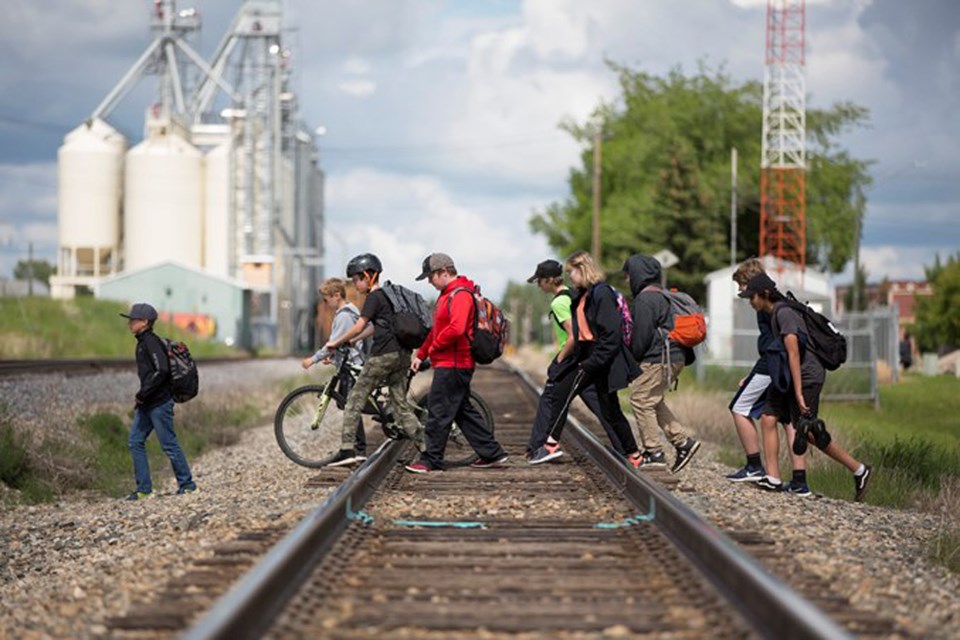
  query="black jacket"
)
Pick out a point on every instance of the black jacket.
point(651, 311)
point(607, 352)
point(153, 367)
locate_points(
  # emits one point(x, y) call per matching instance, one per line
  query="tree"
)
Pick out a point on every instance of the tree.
point(938, 315)
point(36, 269)
point(859, 284)
point(666, 176)
point(527, 306)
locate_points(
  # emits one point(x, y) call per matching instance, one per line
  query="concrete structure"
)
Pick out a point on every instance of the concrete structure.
point(178, 289)
point(89, 199)
point(902, 294)
point(163, 205)
point(732, 323)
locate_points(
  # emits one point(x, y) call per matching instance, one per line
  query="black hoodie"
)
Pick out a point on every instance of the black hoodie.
point(651, 311)
point(153, 368)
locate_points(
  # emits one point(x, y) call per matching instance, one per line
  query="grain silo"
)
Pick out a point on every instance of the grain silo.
point(89, 198)
point(217, 247)
point(163, 199)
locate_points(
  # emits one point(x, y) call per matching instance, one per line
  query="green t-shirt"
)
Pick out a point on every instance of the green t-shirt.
point(560, 309)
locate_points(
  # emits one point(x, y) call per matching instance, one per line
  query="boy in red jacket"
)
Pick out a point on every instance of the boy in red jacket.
point(448, 347)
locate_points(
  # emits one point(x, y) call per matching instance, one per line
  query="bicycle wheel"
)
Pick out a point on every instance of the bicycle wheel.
point(459, 453)
point(308, 423)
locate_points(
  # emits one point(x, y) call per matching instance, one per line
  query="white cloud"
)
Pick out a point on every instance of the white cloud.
point(404, 218)
point(356, 65)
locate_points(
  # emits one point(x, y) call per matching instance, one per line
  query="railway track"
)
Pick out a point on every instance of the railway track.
point(581, 548)
point(82, 366)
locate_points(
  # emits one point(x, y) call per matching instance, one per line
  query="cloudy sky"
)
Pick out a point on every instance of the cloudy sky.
point(441, 115)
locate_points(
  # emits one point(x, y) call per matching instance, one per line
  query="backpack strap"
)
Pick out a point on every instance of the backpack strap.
point(472, 298)
point(565, 292)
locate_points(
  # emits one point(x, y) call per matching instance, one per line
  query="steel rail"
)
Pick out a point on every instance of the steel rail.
point(773, 608)
point(248, 609)
point(87, 365)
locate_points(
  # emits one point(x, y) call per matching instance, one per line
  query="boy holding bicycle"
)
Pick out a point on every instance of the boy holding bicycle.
point(387, 364)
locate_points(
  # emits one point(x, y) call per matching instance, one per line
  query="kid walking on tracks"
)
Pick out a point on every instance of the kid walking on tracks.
point(388, 361)
point(600, 356)
point(549, 277)
point(448, 347)
point(154, 406)
point(800, 401)
point(650, 345)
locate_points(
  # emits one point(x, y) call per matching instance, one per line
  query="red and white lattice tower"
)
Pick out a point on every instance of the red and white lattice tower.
point(783, 161)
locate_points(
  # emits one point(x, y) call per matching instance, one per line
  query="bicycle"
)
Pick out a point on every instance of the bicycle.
point(309, 419)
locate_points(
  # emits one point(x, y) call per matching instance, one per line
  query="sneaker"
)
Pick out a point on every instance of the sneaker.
point(419, 467)
point(140, 495)
point(184, 490)
point(480, 463)
point(685, 452)
point(861, 482)
point(649, 460)
point(345, 458)
point(800, 439)
point(798, 489)
point(545, 453)
point(768, 484)
point(746, 474)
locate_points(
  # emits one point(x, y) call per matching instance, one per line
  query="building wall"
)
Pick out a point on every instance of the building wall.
point(732, 326)
point(175, 289)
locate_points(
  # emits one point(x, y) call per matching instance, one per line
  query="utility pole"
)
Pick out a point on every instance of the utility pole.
point(733, 206)
point(30, 270)
point(855, 296)
point(597, 151)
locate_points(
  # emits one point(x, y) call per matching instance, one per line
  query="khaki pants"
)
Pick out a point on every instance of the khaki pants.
point(651, 410)
point(389, 369)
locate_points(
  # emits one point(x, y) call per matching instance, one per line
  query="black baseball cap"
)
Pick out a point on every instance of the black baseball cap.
point(547, 269)
point(141, 311)
point(758, 283)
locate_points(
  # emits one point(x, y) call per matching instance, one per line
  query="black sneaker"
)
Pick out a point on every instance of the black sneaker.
point(650, 460)
point(767, 484)
point(685, 452)
point(345, 458)
point(861, 482)
point(480, 463)
point(746, 474)
point(798, 489)
point(800, 439)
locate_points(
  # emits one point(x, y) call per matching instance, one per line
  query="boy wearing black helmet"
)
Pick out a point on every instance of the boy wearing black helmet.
point(387, 365)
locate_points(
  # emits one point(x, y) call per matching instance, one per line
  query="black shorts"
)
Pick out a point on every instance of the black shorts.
point(785, 407)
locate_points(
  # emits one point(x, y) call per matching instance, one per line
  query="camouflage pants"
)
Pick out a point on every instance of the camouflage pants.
point(389, 369)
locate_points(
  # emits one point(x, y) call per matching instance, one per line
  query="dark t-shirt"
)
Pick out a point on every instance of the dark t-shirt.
point(377, 309)
point(787, 321)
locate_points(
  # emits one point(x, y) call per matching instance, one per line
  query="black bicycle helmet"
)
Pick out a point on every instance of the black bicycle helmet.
point(363, 263)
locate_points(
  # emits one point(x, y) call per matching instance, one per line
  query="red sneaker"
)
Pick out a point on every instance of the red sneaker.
point(419, 467)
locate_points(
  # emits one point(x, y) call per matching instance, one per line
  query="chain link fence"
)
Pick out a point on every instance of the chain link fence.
point(872, 354)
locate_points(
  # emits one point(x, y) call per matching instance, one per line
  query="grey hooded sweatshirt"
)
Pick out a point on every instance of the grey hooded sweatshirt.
point(651, 311)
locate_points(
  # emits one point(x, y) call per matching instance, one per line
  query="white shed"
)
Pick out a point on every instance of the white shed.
point(732, 328)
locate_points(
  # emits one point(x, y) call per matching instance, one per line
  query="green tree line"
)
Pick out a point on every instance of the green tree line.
point(666, 176)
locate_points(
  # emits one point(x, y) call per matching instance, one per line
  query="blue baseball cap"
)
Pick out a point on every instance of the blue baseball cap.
point(141, 311)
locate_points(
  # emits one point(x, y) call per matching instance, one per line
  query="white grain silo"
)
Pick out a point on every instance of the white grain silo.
point(89, 195)
point(217, 240)
point(163, 200)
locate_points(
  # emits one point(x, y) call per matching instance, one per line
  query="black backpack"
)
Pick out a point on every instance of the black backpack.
point(412, 318)
point(823, 339)
point(184, 378)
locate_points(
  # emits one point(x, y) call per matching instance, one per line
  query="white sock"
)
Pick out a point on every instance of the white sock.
point(774, 480)
point(860, 470)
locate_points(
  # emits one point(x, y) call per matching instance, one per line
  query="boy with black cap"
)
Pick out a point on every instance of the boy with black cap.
point(549, 277)
point(794, 393)
point(448, 347)
point(154, 406)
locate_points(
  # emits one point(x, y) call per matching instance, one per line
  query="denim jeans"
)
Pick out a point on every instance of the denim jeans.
point(158, 418)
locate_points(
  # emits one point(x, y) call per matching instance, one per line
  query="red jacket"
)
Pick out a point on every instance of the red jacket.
point(448, 343)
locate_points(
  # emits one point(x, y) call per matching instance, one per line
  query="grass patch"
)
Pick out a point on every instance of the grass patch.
point(35, 327)
point(18, 468)
point(945, 549)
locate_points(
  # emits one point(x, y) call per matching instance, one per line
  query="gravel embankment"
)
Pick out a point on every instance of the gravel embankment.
point(64, 567)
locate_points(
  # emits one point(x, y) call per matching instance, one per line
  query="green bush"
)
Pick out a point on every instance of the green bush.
point(13, 456)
